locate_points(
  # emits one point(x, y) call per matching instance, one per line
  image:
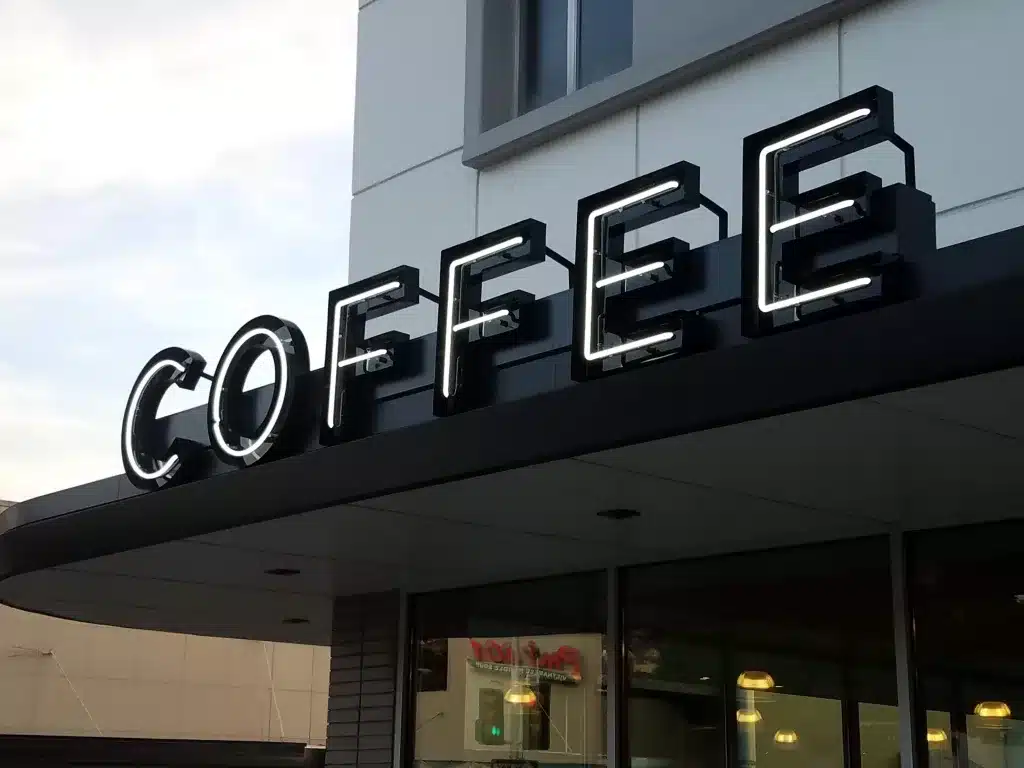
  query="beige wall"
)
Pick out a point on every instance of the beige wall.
point(154, 684)
point(64, 678)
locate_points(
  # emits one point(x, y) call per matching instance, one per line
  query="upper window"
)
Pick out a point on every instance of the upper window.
point(565, 45)
point(540, 69)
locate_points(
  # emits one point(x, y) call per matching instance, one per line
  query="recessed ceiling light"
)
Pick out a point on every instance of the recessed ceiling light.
point(282, 571)
point(295, 620)
point(618, 514)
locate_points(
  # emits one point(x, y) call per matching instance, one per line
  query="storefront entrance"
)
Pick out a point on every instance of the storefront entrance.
point(778, 658)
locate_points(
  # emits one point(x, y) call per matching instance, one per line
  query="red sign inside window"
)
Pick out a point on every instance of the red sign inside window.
point(566, 660)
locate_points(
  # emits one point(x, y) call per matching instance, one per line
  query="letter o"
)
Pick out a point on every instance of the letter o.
point(231, 439)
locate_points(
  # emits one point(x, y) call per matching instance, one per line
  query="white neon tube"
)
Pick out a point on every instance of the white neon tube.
point(629, 274)
point(129, 427)
point(629, 346)
point(763, 302)
point(368, 294)
point(218, 386)
point(356, 359)
point(333, 364)
point(588, 294)
point(811, 216)
point(449, 322)
point(481, 320)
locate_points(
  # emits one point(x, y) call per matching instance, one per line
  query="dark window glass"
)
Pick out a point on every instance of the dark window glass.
point(536, 720)
point(544, 39)
point(432, 669)
point(787, 655)
point(605, 39)
point(524, 673)
point(967, 597)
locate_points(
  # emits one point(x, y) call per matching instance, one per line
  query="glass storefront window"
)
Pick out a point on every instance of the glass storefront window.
point(768, 659)
point(523, 679)
point(967, 598)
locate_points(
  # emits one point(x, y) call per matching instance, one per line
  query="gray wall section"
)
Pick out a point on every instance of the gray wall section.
point(674, 43)
point(691, 29)
point(364, 672)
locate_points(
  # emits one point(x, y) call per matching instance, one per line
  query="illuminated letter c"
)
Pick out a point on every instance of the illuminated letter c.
point(148, 465)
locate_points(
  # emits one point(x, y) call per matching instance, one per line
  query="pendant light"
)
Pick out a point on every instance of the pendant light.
point(521, 694)
point(992, 709)
point(755, 680)
point(936, 737)
point(786, 738)
point(748, 716)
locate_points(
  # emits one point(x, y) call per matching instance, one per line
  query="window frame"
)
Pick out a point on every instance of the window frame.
point(615, 694)
point(495, 127)
point(572, 41)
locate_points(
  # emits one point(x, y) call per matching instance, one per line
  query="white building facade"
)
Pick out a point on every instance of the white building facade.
point(438, 158)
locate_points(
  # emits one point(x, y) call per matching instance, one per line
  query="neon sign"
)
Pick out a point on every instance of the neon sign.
point(806, 255)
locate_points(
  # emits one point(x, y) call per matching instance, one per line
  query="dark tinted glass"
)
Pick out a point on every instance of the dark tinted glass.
point(605, 39)
point(544, 38)
point(524, 673)
point(785, 657)
point(967, 597)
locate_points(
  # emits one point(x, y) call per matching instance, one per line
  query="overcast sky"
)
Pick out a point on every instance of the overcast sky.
point(168, 170)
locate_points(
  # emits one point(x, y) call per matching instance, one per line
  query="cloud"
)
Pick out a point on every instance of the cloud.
point(168, 170)
point(44, 446)
point(164, 108)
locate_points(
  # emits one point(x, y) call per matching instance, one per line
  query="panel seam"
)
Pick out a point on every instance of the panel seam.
point(476, 207)
point(404, 171)
point(981, 201)
point(839, 82)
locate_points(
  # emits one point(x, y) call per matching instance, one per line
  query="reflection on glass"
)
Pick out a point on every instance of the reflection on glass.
point(675, 705)
point(995, 741)
point(969, 632)
point(879, 735)
point(806, 726)
point(545, 52)
point(939, 739)
point(759, 651)
point(800, 713)
point(605, 39)
point(524, 678)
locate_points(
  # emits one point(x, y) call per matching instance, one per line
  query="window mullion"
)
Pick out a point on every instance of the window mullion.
point(572, 31)
point(518, 58)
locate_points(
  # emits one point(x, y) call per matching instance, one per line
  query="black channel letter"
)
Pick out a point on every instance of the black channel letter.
point(837, 248)
point(233, 436)
point(148, 465)
point(464, 318)
point(349, 354)
point(606, 274)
